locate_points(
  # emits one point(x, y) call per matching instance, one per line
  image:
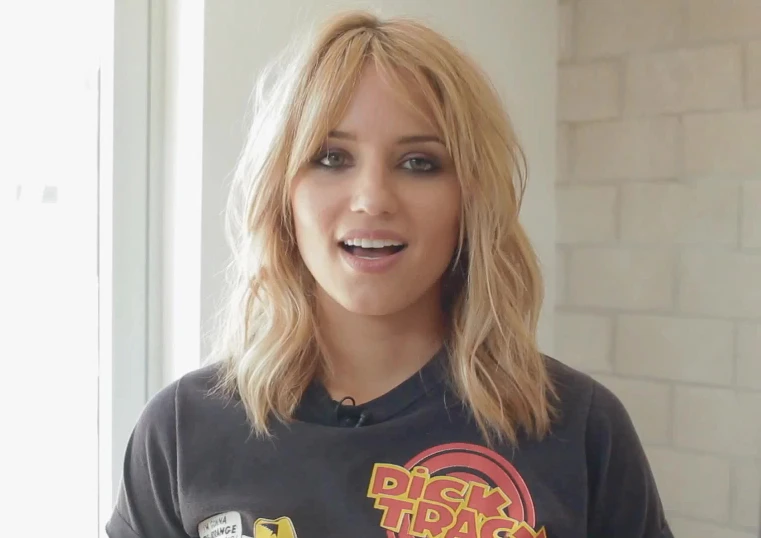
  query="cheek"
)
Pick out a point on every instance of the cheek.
point(312, 211)
point(439, 216)
point(302, 212)
point(303, 206)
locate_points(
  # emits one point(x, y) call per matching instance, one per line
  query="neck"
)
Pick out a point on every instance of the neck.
point(368, 356)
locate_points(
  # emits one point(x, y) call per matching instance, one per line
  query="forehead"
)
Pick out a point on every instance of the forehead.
point(381, 106)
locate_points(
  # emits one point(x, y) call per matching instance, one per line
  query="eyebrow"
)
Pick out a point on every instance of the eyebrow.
point(411, 139)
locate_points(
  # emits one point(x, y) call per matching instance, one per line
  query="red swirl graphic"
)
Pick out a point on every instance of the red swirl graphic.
point(476, 465)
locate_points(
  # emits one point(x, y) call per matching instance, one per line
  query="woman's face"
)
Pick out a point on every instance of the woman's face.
point(376, 212)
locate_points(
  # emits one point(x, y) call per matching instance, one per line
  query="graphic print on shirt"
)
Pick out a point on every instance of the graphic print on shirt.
point(455, 490)
point(281, 527)
point(228, 525)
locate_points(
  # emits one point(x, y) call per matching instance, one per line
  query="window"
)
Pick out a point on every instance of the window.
point(74, 267)
point(48, 276)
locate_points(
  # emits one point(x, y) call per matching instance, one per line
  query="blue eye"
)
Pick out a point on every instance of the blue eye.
point(420, 164)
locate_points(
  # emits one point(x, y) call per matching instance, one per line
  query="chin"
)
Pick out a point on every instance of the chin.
point(374, 306)
point(378, 301)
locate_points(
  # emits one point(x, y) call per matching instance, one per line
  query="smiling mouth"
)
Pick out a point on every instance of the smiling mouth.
point(371, 252)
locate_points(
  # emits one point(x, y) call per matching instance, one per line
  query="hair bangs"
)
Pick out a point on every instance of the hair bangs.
point(333, 75)
point(415, 88)
point(325, 94)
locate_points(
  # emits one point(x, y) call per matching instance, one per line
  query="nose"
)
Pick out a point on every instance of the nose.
point(373, 190)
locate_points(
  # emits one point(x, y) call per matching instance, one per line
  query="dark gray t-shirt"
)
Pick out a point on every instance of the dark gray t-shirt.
point(411, 463)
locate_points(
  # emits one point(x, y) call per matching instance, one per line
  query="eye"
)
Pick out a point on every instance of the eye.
point(332, 159)
point(420, 164)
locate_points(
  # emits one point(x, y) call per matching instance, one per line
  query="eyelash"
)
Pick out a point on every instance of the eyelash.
point(433, 163)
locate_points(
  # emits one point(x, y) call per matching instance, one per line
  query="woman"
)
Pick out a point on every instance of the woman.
point(377, 373)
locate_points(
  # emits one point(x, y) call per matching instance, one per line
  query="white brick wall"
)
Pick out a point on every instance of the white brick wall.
point(715, 282)
point(620, 150)
point(565, 27)
point(691, 528)
point(659, 238)
point(563, 153)
point(675, 213)
point(560, 279)
point(695, 350)
point(722, 144)
point(722, 20)
point(689, 79)
point(747, 477)
point(586, 214)
point(589, 91)
point(585, 339)
point(609, 277)
point(749, 356)
point(718, 420)
point(753, 73)
point(612, 27)
point(693, 485)
point(751, 221)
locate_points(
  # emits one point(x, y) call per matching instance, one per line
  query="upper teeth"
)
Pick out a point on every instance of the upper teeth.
point(372, 243)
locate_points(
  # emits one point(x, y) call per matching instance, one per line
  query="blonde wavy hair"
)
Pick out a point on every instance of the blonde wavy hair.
point(267, 341)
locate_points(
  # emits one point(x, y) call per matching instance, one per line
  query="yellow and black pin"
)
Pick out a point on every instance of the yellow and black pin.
point(281, 527)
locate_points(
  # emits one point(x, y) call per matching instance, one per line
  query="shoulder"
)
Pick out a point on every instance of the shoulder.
point(597, 420)
point(622, 496)
point(199, 387)
point(148, 503)
point(191, 396)
point(584, 401)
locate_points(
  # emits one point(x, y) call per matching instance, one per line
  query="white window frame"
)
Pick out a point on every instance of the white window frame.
point(130, 231)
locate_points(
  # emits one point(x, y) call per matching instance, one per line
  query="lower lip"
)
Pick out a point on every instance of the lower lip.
point(371, 265)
